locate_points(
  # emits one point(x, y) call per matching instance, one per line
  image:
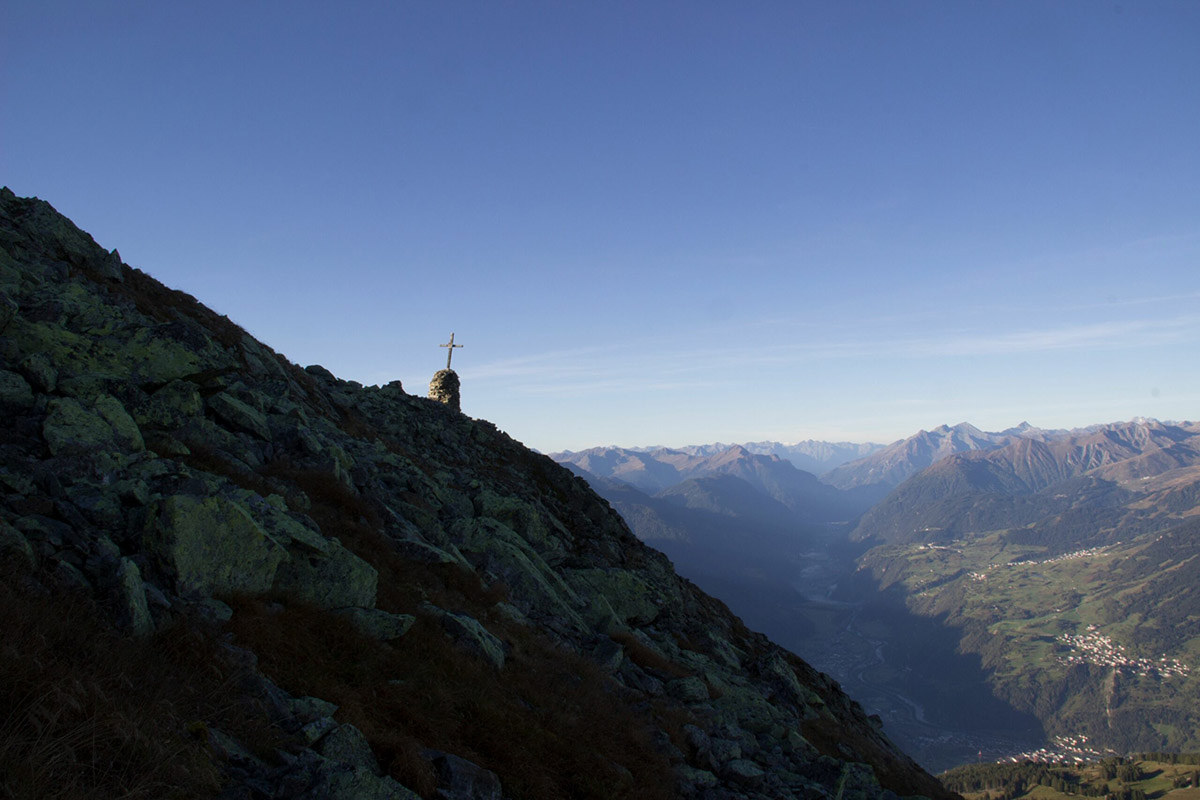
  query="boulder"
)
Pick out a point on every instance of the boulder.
point(346, 744)
point(157, 355)
point(172, 406)
point(334, 579)
point(857, 782)
point(132, 611)
point(75, 428)
point(8, 311)
point(239, 416)
point(470, 634)
point(40, 372)
point(314, 777)
point(211, 545)
point(15, 391)
point(744, 771)
point(377, 623)
point(460, 779)
point(688, 690)
point(12, 542)
point(632, 599)
point(746, 708)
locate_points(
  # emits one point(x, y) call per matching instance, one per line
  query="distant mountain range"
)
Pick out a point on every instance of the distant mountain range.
point(654, 471)
point(713, 511)
point(810, 455)
point(889, 466)
point(1078, 488)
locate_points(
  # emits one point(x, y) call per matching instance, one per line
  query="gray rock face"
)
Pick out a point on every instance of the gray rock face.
point(445, 388)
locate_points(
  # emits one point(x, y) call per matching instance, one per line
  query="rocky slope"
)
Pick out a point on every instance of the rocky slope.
point(325, 590)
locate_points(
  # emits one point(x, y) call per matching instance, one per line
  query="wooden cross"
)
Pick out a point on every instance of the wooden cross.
point(450, 352)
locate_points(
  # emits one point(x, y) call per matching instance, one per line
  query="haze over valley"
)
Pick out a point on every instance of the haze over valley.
point(989, 594)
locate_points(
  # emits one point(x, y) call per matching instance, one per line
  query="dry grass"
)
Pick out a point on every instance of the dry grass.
point(550, 724)
point(648, 658)
point(163, 304)
point(88, 713)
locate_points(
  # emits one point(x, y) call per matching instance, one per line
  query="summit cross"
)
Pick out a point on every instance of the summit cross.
point(450, 352)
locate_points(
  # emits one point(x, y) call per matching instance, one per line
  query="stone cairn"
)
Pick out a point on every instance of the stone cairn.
point(444, 388)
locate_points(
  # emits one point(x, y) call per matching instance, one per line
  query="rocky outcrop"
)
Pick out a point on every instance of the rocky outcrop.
point(418, 603)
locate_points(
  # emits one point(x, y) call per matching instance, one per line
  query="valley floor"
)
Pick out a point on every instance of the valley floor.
point(834, 618)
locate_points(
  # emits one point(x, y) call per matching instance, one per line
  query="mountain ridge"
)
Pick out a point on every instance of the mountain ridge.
point(1117, 457)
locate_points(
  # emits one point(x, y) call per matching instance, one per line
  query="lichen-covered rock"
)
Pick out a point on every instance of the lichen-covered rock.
point(159, 356)
point(314, 777)
point(632, 599)
point(239, 415)
point(500, 552)
point(688, 690)
point(858, 782)
point(8, 306)
point(171, 406)
point(695, 779)
point(744, 771)
point(746, 708)
point(126, 435)
point(73, 428)
point(212, 545)
point(334, 579)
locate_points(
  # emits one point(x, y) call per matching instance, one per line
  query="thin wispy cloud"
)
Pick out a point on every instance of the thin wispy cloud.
point(629, 366)
point(1107, 335)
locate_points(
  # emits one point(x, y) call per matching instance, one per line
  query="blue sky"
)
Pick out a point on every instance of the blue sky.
point(653, 222)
